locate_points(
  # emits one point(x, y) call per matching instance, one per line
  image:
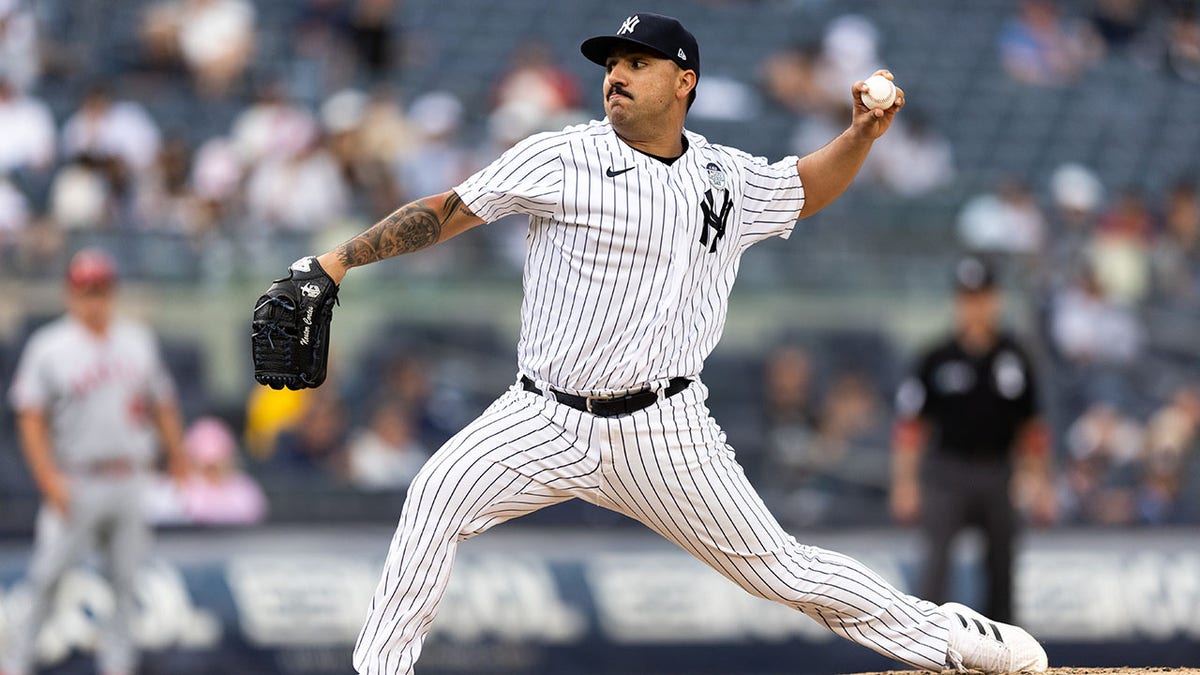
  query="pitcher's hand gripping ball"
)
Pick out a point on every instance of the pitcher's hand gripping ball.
point(289, 338)
point(880, 93)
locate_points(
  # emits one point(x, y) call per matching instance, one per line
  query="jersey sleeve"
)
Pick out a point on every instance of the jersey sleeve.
point(527, 179)
point(160, 386)
point(912, 397)
point(31, 386)
point(1027, 403)
point(772, 198)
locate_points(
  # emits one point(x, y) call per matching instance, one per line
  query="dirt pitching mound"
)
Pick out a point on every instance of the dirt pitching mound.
point(1075, 671)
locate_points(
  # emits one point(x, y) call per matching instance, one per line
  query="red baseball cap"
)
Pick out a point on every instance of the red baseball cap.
point(91, 268)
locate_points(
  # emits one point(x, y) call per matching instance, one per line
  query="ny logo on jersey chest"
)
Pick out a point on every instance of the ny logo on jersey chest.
point(715, 218)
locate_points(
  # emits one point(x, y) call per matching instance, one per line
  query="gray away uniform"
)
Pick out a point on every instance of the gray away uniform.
point(98, 395)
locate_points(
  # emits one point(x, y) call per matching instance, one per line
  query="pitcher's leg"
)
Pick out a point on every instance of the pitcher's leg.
point(673, 472)
point(465, 488)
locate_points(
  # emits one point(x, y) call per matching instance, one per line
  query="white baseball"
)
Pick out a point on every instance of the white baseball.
point(880, 93)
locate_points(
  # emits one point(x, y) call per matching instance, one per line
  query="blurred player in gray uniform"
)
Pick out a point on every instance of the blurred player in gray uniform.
point(90, 393)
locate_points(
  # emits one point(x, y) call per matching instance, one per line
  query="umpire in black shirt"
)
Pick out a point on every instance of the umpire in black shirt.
point(968, 423)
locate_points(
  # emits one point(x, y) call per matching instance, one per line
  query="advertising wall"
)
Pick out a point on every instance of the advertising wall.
point(617, 603)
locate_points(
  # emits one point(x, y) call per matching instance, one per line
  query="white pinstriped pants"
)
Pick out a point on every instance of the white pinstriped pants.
point(667, 466)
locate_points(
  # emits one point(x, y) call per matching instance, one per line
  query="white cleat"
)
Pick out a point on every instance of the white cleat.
point(979, 644)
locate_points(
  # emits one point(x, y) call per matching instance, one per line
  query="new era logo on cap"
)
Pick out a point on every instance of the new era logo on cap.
point(661, 35)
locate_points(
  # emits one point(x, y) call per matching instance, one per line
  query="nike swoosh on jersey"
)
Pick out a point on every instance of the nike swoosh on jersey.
point(613, 174)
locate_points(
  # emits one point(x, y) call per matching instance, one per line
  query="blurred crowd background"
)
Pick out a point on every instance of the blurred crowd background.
point(207, 143)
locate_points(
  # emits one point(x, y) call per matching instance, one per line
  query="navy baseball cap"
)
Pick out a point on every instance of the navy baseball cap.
point(660, 34)
point(973, 274)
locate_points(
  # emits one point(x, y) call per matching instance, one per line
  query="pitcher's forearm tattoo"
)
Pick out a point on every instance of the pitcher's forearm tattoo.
point(409, 228)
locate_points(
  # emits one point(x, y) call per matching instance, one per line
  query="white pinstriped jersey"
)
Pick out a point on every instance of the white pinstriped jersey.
point(630, 260)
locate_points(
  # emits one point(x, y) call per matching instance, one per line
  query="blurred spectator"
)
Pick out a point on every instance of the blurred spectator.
point(1175, 257)
point(386, 133)
point(272, 126)
point(438, 161)
point(323, 53)
point(109, 144)
point(1170, 448)
point(849, 45)
point(213, 38)
point(217, 170)
point(40, 247)
point(1098, 340)
point(808, 135)
point(215, 184)
point(788, 401)
point(1120, 249)
point(849, 48)
point(1039, 46)
point(82, 195)
point(1119, 23)
point(374, 36)
point(721, 97)
point(20, 61)
point(406, 379)
point(1101, 470)
point(303, 192)
point(789, 423)
point(106, 129)
point(790, 78)
point(914, 159)
point(1006, 221)
point(28, 141)
point(850, 445)
point(1075, 195)
point(835, 471)
point(14, 219)
point(294, 183)
point(268, 413)
point(1183, 43)
point(218, 492)
point(163, 199)
point(1088, 328)
point(385, 455)
point(365, 171)
point(312, 449)
point(535, 77)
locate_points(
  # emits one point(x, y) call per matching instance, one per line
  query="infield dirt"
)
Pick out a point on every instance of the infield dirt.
point(1074, 671)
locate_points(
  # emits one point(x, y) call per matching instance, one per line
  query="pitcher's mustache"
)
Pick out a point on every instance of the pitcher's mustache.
point(616, 89)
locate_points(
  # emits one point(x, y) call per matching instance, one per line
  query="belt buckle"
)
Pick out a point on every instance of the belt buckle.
point(587, 403)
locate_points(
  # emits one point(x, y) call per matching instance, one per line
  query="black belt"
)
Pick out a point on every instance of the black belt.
point(610, 406)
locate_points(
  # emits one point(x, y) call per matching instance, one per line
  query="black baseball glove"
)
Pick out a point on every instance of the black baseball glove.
point(289, 337)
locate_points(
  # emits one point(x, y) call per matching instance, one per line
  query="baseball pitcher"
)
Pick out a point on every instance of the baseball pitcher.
point(636, 230)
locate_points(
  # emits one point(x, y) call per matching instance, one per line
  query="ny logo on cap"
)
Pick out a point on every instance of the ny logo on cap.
point(629, 25)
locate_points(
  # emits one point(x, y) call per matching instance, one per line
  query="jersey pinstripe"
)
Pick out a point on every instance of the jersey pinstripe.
point(619, 291)
point(629, 267)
